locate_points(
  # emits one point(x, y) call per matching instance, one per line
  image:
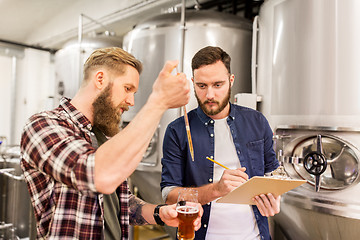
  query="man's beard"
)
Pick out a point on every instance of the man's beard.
point(221, 105)
point(107, 116)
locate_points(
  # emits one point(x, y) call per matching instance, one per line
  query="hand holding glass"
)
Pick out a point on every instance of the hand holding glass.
point(188, 211)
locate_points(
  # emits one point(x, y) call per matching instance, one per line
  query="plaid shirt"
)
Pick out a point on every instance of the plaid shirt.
point(58, 161)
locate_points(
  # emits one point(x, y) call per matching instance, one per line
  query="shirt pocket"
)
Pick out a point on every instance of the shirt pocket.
point(256, 155)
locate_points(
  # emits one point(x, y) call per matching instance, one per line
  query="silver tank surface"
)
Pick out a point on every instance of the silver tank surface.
point(308, 80)
point(16, 217)
point(159, 39)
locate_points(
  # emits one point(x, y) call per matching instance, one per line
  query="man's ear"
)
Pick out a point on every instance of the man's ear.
point(232, 78)
point(99, 80)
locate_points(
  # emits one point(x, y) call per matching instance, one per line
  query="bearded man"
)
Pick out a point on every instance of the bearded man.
point(76, 160)
point(237, 137)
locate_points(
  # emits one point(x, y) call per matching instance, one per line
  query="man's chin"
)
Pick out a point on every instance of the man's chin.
point(212, 111)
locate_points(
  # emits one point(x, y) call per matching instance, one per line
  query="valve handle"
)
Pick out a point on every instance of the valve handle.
point(315, 163)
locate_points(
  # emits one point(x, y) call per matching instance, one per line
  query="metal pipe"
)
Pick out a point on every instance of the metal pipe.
point(254, 55)
point(182, 43)
point(14, 209)
point(51, 50)
point(182, 36)
point(13, 101)
point(80, 32)
point(6, 172)
point(80, 29)
point(5, 226)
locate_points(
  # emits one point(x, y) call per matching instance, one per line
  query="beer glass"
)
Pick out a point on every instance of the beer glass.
point(188, 211)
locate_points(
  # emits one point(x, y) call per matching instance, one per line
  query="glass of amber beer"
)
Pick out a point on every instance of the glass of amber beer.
point(188, 211)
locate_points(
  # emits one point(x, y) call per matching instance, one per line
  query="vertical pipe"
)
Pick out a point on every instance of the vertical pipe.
point(14, 219)
point(254, 55)
point(80, 29)
point(80, 32)
point(182, 36)
point(182, 42)
point(13, 101)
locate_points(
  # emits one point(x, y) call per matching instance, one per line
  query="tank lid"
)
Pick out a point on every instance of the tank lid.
point(197, 17)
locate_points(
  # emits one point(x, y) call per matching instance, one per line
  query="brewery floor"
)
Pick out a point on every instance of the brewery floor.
point(150, 232)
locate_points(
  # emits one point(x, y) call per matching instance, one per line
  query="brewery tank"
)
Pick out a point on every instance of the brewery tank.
point(308, 80)
point(159, 39)
point(16, 215)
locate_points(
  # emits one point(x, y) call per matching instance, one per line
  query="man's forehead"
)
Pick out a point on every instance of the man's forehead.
point(213, 79)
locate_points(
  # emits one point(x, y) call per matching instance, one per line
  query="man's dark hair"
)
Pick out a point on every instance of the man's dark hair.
point(210, 55)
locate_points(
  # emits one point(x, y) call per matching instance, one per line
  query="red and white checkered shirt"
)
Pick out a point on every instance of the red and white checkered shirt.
point(58, 161)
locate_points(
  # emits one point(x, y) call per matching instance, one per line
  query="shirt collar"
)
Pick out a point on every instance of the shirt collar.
point(75, 114)
point(206, 119)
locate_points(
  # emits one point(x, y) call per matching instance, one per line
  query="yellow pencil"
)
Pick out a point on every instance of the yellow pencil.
point(217, 162)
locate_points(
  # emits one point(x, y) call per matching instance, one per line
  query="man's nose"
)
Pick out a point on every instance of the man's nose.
point(130, 100)
point(210, 93)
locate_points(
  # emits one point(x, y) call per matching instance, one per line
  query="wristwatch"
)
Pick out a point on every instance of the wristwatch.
point(157, 215)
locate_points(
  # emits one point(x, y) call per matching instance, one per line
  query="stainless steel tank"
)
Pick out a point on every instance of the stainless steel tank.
point(70, 59)
point(16, 217)
point(308, 80)
point(160, 38)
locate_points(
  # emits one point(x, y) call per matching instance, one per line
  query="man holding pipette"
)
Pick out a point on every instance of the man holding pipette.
point(238, 142)
point(78, 188)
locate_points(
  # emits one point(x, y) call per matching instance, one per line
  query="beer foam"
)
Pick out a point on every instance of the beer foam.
point(187, 209)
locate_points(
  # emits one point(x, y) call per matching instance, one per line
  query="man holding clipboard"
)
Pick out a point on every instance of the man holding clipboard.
point(239, 138)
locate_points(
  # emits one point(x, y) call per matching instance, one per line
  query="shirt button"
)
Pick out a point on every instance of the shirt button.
point(205, 123)
point(212, 135)
point(212, 121)
point(208, 203)
point(210, 179)
point(212, 157)
point(205, 225)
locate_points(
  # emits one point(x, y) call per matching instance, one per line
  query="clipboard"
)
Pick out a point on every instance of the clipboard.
point(259, 185)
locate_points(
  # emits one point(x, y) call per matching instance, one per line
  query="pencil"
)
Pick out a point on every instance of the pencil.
point(217, 162)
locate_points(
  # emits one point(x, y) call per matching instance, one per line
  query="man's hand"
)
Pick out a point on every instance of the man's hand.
point(171, 90)
point(231, 179)
point(267, 204)
point(168, 215)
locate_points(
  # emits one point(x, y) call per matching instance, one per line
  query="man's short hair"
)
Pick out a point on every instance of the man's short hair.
point(210, 55)
point(113, 58)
